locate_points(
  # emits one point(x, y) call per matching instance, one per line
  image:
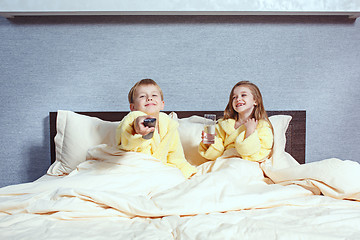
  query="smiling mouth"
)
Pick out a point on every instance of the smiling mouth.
point(240, 104)
point(150, 104)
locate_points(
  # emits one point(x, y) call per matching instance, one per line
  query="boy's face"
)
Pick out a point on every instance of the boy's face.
point(147, 98)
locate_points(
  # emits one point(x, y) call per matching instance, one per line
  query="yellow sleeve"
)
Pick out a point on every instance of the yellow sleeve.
point(213, 151)
point(126, 138)
point(258, 145)
point(176, 156)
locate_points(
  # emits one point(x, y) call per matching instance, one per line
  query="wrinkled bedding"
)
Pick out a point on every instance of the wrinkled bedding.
point(126, 195)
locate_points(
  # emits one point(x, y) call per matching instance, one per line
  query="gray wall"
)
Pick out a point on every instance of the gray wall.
point(89, 64)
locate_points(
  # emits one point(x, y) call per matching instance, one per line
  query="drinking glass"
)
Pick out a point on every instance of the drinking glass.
point(209, 129)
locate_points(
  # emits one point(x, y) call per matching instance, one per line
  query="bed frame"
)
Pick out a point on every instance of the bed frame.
point(295, 135)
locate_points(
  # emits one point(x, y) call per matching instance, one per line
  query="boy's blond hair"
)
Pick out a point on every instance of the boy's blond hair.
point(146, 81)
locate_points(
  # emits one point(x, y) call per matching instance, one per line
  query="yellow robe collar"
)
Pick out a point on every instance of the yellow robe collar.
point(228, 126)
point(166, 124)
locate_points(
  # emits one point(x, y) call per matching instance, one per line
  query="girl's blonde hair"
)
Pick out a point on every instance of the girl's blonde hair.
point(259, 109)
point(146, 81)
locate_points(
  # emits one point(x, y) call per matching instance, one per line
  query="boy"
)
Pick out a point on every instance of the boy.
point(146, 101)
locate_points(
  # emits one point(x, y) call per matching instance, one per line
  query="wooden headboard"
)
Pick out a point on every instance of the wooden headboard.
point(295, 135)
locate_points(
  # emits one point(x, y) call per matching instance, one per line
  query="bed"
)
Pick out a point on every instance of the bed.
point(93, 190)
point(295, 133)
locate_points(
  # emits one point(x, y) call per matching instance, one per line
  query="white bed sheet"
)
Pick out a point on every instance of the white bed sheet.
point(47, 177)
point(281, 223)
point(108, 198)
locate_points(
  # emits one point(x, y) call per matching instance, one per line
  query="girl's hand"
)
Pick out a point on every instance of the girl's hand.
point(203, 137)
point(250, 125)
point(140, 128)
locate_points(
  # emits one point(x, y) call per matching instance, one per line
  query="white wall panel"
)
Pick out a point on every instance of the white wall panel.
point(9, 8)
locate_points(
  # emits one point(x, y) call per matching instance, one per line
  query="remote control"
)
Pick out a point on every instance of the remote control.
point(149, 122)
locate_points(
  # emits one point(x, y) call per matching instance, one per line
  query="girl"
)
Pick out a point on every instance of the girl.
point(245, 126)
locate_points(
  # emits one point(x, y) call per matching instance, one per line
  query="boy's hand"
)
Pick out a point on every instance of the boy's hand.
point(140, 128)
point(250, 125)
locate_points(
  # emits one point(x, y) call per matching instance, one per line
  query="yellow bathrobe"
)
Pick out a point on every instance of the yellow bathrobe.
point(165, 144)
point(255, 147)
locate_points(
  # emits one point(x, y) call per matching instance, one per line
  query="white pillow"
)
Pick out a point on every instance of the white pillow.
point(280, 158)
point(280, 124)
point(76, 133)
point(190, 136)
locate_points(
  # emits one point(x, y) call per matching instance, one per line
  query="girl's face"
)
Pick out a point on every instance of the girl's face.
point(147, 98)
point(243, 101)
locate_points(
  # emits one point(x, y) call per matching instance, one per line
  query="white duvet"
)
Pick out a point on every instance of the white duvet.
point(126, 195)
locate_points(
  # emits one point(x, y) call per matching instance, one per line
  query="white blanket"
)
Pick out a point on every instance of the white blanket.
point(116, 193)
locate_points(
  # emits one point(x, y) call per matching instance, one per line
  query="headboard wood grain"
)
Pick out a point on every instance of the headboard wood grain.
point(295, 135)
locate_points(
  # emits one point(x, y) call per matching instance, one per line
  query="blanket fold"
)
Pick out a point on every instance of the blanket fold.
point(113, 183)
